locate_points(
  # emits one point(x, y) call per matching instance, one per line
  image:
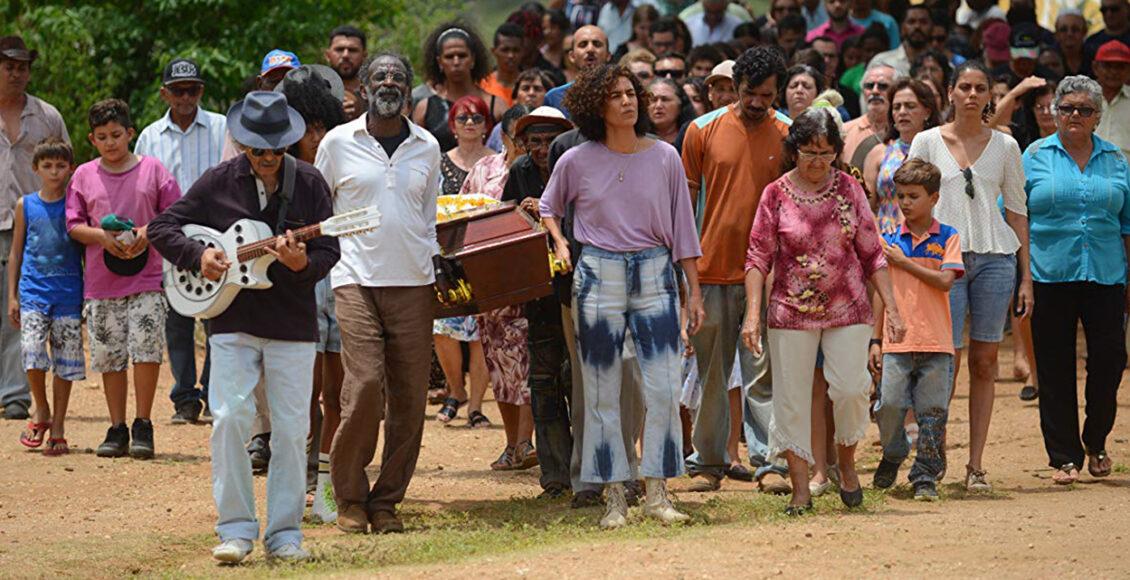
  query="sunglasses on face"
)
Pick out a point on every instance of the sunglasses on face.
point(257, 152)
point(968, 173)
point(670, 73)
point(876, 85)
point(1069, 110)
point(191, 91)
point(475, 118)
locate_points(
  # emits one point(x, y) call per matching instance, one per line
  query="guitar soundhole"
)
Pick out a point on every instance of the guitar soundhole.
point(199, 291)
point(243, 268)
point(207, 287)
point(211, 245)
point(239, 239)
point(238, 229)
point(243, 279)
point(188, 287)
point(201, 242)
point(182, 278)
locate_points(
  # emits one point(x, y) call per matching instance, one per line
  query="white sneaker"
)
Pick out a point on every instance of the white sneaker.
point(289, 553)
point(232, 551)
point(324, 509)
point(819, 489)
point(659, 504)
point(617, 504)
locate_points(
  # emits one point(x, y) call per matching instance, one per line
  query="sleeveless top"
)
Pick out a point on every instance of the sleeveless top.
point(435, 121)
point(51, 273)
point(453, 176)
point(889, 214)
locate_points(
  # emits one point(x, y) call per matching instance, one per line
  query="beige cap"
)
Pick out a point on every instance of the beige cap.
point(543, 115)
point(723, 70)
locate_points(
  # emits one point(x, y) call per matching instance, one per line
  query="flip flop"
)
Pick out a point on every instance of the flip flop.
point(56, 447)
point(449, 410)
point(1095, 464)
point(33, 436)
point(1063, 476)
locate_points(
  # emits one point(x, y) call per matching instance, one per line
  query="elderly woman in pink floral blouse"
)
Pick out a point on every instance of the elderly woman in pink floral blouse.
point(814, 230)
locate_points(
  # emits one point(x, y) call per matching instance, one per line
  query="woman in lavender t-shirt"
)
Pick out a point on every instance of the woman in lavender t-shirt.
point(633, 218)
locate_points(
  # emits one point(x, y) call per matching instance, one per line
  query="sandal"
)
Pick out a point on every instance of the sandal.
point(798, 510)
point(525, 456)
point(449, 410)
point(1099, 464)
point(505, 462)
point(1067, 474)
point(477, 420)
point(56, 447)
point(738, 472)
point(33, 436)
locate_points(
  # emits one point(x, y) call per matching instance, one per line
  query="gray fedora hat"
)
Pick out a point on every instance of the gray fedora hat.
point(264, 120)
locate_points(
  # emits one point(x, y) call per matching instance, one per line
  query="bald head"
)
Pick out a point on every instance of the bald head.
point(590, 48)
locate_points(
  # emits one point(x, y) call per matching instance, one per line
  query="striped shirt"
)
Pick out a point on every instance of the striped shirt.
point(186, 154)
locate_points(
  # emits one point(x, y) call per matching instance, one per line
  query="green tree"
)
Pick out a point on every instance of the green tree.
point(92, 50)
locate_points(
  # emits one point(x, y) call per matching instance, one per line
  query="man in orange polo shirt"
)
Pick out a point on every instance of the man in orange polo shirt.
point(507, 51)
point(730, 155)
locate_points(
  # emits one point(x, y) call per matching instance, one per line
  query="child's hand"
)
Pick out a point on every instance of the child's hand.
point(110, 243)
point(14, 311)
point(894, 255)
point(139, 243)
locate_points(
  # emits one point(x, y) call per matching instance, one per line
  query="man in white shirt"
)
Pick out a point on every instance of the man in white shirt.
point(1112, 70)
point(383, 288)
point(188, 141)
point(713, 24)
point(615, 20)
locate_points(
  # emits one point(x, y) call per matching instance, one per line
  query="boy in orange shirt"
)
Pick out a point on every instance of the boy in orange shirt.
point(925, 256)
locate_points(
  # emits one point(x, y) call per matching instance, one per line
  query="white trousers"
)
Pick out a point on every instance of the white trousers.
point(845, 366)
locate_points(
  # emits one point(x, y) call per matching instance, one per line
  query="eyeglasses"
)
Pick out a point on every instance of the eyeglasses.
point(670, 73)
point(810, 156)
point(474, 119)
point(1069, 110)
point(257, 152)
point(968, 173)
point(876, 85)
point(191, 90)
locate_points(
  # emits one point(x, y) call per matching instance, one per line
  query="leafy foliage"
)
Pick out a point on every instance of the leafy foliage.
point(90, 50)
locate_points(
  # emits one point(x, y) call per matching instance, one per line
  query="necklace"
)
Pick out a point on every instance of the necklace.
point(623, 166)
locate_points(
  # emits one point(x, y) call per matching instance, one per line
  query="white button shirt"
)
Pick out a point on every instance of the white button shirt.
point(186, 154)
point(404, 188)
point(1115, 123)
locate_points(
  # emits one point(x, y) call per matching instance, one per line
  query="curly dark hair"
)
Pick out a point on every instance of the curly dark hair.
point(585, 100)
point(465, 32)
point(939, 58)
point(109, 111)
point(809, 126)
point(316, 105)
point(757, 64)
point(925, 98)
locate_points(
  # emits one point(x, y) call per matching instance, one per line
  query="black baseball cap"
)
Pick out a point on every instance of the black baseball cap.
point(181, 70)
point(1024, 42)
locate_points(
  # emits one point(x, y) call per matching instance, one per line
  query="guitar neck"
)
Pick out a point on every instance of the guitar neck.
point(254, 250)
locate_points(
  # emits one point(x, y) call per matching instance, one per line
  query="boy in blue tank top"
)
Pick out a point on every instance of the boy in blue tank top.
point(45, 295)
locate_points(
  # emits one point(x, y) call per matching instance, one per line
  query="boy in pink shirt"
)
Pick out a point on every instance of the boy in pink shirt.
point(925, 256)
point(124, 307)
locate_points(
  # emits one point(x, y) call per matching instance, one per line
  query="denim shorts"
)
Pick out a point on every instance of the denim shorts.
point(984, 293)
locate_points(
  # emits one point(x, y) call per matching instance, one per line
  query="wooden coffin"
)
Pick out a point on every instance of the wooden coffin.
point(500, 256)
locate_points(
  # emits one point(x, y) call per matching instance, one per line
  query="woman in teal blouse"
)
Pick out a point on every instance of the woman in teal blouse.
point(1079, 217)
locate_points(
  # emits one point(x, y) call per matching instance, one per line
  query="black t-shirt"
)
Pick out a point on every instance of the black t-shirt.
point(524, 181)
point(389, 144)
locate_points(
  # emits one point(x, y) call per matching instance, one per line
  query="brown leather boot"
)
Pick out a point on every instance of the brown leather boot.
point(353, 520)
point(386, 523)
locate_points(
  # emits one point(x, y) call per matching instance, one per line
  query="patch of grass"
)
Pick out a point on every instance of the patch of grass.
point(1120, 468)
point(475, 529)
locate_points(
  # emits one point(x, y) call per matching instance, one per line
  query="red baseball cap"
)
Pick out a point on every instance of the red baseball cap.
point(995, 39)
point(1113, 51)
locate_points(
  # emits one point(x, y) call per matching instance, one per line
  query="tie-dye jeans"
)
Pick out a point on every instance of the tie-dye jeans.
point(613, 291)
point(919, 381)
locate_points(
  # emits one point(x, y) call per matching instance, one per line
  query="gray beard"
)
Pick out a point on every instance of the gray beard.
point(384, 109)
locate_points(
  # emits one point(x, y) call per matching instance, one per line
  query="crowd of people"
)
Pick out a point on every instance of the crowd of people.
point(776, 228)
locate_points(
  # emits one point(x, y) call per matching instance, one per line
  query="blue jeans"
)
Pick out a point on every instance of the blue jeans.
point(717, 349)
point(287, 366)
point(180, 334)
point(984, 292)
point(612, 292)
point(919, 381)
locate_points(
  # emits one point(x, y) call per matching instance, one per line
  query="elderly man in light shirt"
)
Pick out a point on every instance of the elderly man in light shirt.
point(188, 141)
point(383, 288)
point(1112, 69)
point(25, 121)
point(872, 125)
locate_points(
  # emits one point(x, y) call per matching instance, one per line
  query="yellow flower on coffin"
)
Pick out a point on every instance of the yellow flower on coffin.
point(451, 206)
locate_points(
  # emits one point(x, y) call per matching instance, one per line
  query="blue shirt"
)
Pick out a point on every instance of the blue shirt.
point(886, 20)
point(186, 154)
point(556, 96)
point(1077, 218)
point(51, 269)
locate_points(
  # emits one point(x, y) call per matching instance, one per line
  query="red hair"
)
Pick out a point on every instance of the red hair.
point(471, 104)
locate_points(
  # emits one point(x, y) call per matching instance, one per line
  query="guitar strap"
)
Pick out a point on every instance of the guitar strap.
point(286, 192)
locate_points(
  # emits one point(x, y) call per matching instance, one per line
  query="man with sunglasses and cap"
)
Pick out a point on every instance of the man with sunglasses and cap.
point(1112, 70)
point(269, 333)
point(25, 121)
point(188, 141)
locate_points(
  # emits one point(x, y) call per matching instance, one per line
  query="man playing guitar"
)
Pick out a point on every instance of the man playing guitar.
point(269, 332)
